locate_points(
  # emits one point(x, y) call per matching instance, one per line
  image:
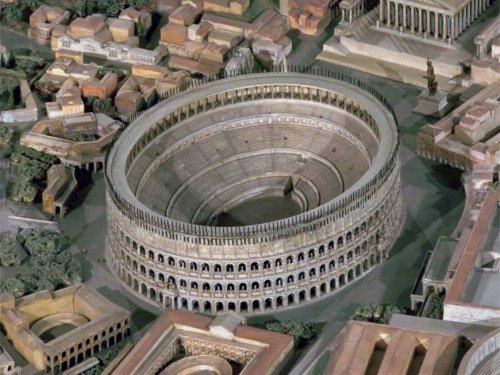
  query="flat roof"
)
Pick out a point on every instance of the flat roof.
point(440, 259)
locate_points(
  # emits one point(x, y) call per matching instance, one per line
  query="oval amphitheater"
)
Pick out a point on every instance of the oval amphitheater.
point(253, 193)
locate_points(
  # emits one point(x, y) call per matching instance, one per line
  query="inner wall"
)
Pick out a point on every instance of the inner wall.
point(253, 164)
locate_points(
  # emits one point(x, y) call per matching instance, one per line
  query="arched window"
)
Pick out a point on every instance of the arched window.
point(302, 276)
point(161, 259)
point(205, 267)
point(206, 287)
point(217, 268)
point(254, 266)
point(230, 287)
point(278, 263)
point(267, 284)
point(171, 261)
point(279, 282)
point(182, 264)
point(340, 241)
point(255, 285)
point(193, 266)
point(242, 267)
point(300, 257)
point(266, 265)
point(290, 279)
point(194, 285)
point(151, 255)
point(331, 245)
point(243, 287)
point(229, 268)
point(311, 254)
point(289, 260)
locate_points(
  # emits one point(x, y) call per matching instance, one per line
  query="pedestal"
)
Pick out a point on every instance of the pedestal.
point(431, 105)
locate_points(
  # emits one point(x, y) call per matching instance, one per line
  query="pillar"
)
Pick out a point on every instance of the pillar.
point(350, 15)
point(396, 15)
point(388, 10)
point(445, 27)
point(436, 25)
point(343, 15)
point(412, 19)
point(428, 26)
point(381, 11)
point(404, 17)
point(419, 21)
point(452, 27)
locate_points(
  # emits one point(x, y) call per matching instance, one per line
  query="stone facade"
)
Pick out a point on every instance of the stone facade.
point(207, 344)
point(254, 268)
point(98, 323)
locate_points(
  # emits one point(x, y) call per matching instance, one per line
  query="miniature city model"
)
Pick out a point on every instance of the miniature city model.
point(249, 187)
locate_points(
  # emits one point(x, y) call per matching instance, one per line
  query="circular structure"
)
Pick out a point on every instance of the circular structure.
point(199, 365)
point(253, 193)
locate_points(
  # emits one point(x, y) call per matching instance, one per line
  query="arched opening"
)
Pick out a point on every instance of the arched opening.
point(231, 306)
point(196, 305)
point(302, 295)
point(342, 280)
point(322, 288)
point(333, 284)
point(350, 275)
point(219, 306)
point(256, 305)
point(312, 292)
point(279, 301)
point(268, 304)
point(291, 299)
point(243, 307)
point(207, 306)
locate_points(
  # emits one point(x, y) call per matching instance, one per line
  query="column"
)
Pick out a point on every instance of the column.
point(350, 15)
point(436, 25)
point(396, 15)
point(419, 21)
point(445, 27)
point(452, 27)
point(343, 15)
point(381, 12)
point(428, 26)
point(404, 18)
point(388, 10)
point(412, 20)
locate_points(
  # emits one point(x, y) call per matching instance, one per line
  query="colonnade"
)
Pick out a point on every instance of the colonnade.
point(429, 22)
point(351, 9)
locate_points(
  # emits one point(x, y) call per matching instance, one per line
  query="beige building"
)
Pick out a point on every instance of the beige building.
point(44, 20)
point(60, 191)
point(369, 348)
point(90, 324)
point(466, 135)
point(190, 343)
point(48, 136)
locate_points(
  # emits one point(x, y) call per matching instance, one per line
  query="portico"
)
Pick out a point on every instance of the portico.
point(430, 20)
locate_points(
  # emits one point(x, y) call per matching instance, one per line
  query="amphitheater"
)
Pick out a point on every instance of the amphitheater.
point(254, 193)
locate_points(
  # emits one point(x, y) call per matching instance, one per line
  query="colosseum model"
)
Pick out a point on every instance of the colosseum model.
point(253, 193)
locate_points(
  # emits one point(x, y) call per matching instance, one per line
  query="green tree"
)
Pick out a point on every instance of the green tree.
point(302, 332)
point(140, 28)
point(8, 85)
point(11, 102)
point(113, 8)
point(45, 284)
point(9, 250)
point(13, 13)
point(24, 192)
point(32, 4)
point(13, 285)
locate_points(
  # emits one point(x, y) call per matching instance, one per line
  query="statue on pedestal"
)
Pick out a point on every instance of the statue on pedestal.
point(432, 84)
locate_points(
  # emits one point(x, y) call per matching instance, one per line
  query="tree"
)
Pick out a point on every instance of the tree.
point(46, 88)
point(13, 13)
point(8, 85)
point(113, 8)
point(32, 4)
point(13, 285)
point(11, 102)
point(302, 332)
point(140, 28)
point(9, 250)
point(24, 192)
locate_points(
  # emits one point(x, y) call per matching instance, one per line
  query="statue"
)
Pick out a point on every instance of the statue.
point(432, 84)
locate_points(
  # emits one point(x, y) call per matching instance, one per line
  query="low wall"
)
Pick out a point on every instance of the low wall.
point(400, 58)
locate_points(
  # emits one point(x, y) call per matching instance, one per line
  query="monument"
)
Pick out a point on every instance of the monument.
point(431, 102)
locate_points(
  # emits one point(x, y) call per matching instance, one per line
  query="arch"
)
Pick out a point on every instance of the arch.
point(365, 265)
point(311, 254)
point(278, 263)
point(182, 264)
point(291, 299)
point(256, 305)
point(217, 268)
point(350, 275)
point(302, 276)
point(194, 285)
point(207, 306)
point(279, 301)
point(333, 284)
point(289, 259)
point(243, 307)
point(331, 245)
point(219, 306)
point(255, 285)
point(267, 284)
point(242, 287)
point(300, 257)
point(321, 250)
point(266, 265)
point(205, 267)
point(184, 303)
point(342, 280)
point(229, 268)
point(206, 287)
point(312, 272)
point(254, 266)
point(171, 262)
point(302, 295)
point(231, 306)
point(312, 292)
point(151, 255)
point(358, 270)
point(196, 305)
point(268, 304)
point(340, 241)
point(144, 289)
point(322, 288)
point(218, 287)
point(230, 287)
point(242, 267)
point(290, 279)
point(193, 266)
point(279, 282)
